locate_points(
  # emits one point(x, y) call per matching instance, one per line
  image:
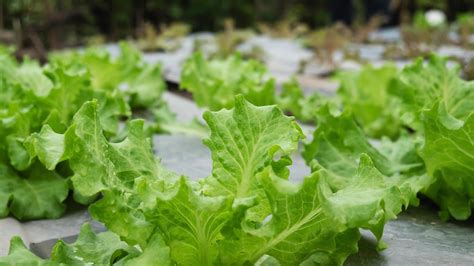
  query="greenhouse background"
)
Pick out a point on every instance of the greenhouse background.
point(237, 132)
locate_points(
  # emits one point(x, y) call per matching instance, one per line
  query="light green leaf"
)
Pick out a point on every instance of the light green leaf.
point(369, 200)
point(421, 85)
point(449, 156)
point(338, 143)
point(365, 93)
point(215, 83)
point(20, 255)
point(85, 151)
point(19, 156)
point(101, 249)
point(156, 253)
point(147, 87)
point(303, 107)
point(47, 145)
point(120, 212)
point(190, 223)
point(243, 141)
point(31, 76)
point(133, 157)
point(296, 228)
point(371, 186)
point(40, 193)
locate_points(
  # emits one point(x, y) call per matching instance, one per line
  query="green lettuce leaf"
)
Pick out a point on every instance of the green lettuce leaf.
point(365, 94)
point(190, 223)
point(90, 248)
point(293, 101)
point(243, 141)
point(198, 222)
point(47, 145)
point(33, 194)
point(448, 152)
point(338, 143)
point(389, 176)
point(247, 211)
point(368, 199)
point(111, 169)
point(38, 107)
point(157, 252)
point(298, 226)
point(421, 85)
point(20, 255)
point(127, 72)
point(215, 83)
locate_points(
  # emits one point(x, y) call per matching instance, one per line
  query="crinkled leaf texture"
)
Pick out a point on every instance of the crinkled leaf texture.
point(371, 186)
point(422, 84)
point(91, 249)
point(36, 193)
point(304, 107)
point(39, 125)
point(438, 104)
point(111, 169)
point(215, 83)
point(298, 226)
point(190, 222)
point(338, 143)
point(246, 212)
point(365, 93)
point(127, 72)
point(243, 141)
point(199, 222)
point(449, 156)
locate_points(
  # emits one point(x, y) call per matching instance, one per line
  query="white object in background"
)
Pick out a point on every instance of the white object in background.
point(435, 17)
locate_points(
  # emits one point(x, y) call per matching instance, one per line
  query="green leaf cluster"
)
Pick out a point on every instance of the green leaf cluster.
point(59, 129)
point(37, 108)
point(426, 103)
point(438, 105)
point(383, 102)
point(366, 94)
point(248, 210)
point(215, 83)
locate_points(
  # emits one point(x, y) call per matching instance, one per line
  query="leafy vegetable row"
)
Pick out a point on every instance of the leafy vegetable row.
point(434, 105)
point(426, 106)
point(246, 211)
point(37, 105)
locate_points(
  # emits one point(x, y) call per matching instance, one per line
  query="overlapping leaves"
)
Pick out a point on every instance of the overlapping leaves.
point(376, 183)
point(422, 84)
point(431, 103)
point(214, 83)
point(246, 211)
point(449, 156)
point(439, 105)
point(37, 107)
point(365, 93)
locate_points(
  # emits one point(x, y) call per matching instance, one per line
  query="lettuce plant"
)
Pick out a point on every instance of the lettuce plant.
point(247, 211)
point(365, 93)
point(38, 105)
point(214, 83)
